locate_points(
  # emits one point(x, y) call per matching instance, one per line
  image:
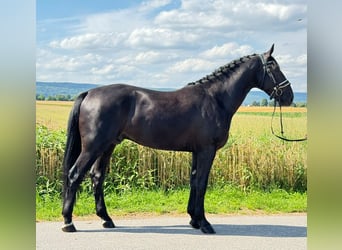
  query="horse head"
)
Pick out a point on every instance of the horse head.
point(273, 81)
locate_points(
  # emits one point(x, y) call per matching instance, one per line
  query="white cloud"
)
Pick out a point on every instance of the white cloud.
point(231, 15)
point(148, 57)
point(296, 61)
point(192, 65)
point(125, 72)
point(160, 37)
point(302, 60)
point(282, 11)
point(89, 41)
point(166, 43)
point(105, 70)
point(184, 19)
point(65, 63)
point(227, 50)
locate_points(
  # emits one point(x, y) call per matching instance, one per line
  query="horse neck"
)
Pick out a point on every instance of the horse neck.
point(234, 89)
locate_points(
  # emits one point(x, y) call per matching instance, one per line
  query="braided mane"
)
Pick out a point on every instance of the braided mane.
point(223, 71)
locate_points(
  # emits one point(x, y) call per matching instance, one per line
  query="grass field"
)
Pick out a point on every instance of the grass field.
point(53, 114)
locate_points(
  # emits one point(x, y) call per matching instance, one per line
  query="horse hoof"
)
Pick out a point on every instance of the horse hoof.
point(108, 224)
point(69, 228)
point(194, 224)
point(208, 229)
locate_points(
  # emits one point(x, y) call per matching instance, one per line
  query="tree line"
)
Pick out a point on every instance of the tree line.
point(41, 97)
point(265, 103)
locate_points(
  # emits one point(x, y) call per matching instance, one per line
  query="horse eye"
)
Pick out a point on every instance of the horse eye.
point(273, 64)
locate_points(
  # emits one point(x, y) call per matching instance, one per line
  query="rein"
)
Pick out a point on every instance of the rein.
point(281, 126)
point(277, 92)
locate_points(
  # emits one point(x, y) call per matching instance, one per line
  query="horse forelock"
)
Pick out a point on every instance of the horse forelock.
point(224, 71)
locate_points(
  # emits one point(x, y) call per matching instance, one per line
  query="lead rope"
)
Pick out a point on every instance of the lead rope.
point(281, 126)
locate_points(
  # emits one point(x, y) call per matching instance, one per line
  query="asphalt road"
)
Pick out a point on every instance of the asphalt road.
point(165, 232)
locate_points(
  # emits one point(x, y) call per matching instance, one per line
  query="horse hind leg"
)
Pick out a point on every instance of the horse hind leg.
point(75, 177)
point(97, 174)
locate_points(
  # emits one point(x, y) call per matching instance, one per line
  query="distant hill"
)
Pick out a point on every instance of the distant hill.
point(62, 88)
point(73, 89)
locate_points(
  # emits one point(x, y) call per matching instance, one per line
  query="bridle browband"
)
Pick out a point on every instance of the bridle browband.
point(276, 93)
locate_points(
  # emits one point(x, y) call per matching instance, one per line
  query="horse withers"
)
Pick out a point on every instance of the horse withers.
point(195, 118)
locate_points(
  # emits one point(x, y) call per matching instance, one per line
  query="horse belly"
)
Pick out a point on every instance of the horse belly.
point(166, 136)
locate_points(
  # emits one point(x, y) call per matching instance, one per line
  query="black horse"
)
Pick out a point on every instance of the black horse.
point(195, 118)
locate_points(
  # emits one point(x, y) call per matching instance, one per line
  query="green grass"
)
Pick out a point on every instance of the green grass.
point(220, 200)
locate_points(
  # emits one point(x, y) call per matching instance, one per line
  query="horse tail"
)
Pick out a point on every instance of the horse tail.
point(73, 143)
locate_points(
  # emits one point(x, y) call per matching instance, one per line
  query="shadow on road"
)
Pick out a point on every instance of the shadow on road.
point(221, 229)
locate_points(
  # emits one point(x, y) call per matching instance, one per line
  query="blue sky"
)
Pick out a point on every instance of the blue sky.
point(165, 43)
point(64, 8)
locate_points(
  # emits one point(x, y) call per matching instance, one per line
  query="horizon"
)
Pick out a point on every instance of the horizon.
point(164, 87)
point(91, 85)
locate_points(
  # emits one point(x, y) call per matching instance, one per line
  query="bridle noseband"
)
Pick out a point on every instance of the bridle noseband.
point(276, 93)
point(278, 87)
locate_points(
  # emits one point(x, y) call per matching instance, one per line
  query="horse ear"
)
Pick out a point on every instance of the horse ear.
point(269, 53)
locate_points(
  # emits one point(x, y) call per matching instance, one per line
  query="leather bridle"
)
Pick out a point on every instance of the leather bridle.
point(276, 93)
point(278, 87)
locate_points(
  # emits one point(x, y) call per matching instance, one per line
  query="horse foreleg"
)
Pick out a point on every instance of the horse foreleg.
point(75, 177)
point(192, 197)
point(97, 174)
point(204, 162)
